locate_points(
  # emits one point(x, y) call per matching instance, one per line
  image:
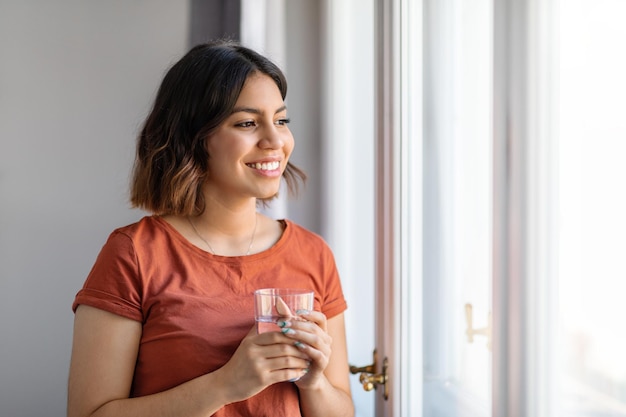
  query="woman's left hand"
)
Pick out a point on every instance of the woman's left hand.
point(309, 333)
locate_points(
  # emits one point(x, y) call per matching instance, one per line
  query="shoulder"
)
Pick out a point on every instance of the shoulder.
point(147, 228)
point(148, 232)
point(307, 242)
point(303, 235)
point(143, 225)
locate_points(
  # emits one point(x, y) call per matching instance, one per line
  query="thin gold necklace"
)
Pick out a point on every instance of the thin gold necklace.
point(256, 219)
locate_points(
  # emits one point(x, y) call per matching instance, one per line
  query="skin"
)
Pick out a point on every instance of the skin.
point(105, 345)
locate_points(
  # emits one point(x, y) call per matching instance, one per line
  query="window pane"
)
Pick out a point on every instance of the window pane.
point(457, 206)
point(593, 207)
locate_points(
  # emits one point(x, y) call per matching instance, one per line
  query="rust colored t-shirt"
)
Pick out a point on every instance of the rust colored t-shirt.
point(196, 307)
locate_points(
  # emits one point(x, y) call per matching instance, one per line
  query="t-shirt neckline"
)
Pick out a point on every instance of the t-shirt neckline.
point(171, 231)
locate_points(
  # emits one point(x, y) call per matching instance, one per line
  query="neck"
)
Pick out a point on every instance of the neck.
point(226, 232)
point(225, 220)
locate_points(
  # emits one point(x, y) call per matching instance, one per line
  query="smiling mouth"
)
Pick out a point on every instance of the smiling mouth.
point(265, 166)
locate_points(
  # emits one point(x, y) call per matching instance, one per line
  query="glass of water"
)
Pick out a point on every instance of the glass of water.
point(273, 304)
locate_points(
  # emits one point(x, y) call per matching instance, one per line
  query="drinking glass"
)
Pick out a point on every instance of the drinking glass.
point(273, 304)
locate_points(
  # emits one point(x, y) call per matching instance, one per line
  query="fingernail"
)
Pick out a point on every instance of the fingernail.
point(283, 323)
point(294, 379)
point(287, 330)
point(302, 312)
point(299, 345)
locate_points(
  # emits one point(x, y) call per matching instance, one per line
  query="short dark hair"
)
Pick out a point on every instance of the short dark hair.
point(197, 94)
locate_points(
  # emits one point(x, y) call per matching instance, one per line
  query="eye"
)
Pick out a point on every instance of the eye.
point(283, 122)
point(249, 123)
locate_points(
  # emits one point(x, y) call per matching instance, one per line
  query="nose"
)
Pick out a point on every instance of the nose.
point(272, 138)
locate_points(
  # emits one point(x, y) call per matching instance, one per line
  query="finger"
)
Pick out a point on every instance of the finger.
point(317, 353)
point(288, 362)
point(280, 342)
point(282, 308)
point(306, 332)
point(285, 350)
point(316, 317)
point(299, 325)
point(290, 375)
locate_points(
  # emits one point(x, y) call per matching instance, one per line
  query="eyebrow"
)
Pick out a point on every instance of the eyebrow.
point(255, 111)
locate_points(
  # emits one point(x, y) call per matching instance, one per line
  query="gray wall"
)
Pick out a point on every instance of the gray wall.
point(76, 80)
point(304, 72)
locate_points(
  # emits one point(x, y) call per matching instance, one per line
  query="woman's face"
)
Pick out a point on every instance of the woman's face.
point(249, 151)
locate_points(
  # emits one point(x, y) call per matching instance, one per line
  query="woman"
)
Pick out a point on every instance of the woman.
point(164, 324)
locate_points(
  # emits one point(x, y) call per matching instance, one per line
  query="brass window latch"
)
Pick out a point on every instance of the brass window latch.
point(471, 331)
point(369, 377)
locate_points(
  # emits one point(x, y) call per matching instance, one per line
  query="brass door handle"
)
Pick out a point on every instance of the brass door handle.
point(370, 379)
point(471, 331)
point(370, 369)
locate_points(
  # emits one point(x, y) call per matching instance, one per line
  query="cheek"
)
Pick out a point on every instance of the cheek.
point(227, 150)
point(289, 145)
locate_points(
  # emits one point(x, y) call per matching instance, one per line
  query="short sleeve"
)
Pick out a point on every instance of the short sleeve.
point(334, 302)
point(114, 283)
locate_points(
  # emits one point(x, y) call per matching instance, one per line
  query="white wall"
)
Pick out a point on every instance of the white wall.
point(76, 80)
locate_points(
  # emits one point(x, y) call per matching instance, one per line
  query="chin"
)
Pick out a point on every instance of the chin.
point(268, 196)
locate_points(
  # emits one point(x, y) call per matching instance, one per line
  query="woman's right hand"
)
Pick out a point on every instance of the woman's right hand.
point(259, 361)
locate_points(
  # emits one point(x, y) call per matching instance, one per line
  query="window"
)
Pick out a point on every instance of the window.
point(457, 202)
point(592, 207)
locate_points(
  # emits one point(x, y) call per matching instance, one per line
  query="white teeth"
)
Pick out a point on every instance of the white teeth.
point(266, 166)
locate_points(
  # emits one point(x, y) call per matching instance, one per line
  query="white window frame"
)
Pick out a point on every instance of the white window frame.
point(524, 270)
point(399, 196)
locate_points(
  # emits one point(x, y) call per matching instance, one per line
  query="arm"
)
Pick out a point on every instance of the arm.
point(325, 390)
point(104, 352)
point(103, 360)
